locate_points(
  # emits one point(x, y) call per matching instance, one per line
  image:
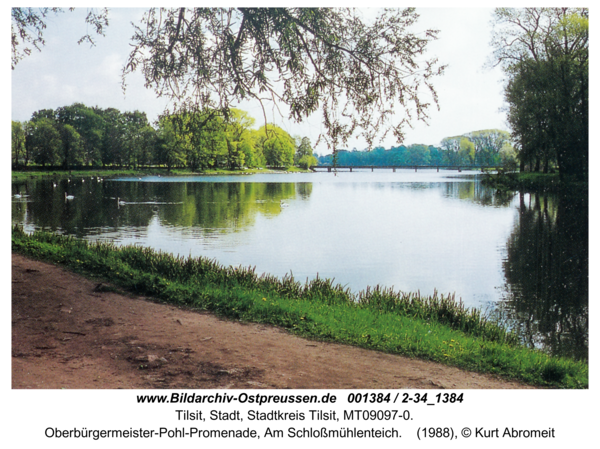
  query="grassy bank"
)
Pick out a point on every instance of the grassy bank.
point(433, 328)
point(531, 182)
point(58, 174)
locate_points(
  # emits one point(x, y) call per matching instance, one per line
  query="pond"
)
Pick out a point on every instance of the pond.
point(520, 257)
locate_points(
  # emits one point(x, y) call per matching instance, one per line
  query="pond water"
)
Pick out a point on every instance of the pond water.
point(521, 257)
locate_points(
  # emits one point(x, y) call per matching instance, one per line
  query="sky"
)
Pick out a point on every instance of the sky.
point(63, 73)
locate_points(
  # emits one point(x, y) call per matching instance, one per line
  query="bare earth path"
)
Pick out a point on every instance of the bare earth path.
point(65, 334)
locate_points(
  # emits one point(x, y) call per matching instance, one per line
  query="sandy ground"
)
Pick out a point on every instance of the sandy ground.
point(66, 333)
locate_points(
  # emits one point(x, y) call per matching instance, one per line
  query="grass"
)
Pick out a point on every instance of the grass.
point(531, 182)
point(57, 174)
point(435, 328)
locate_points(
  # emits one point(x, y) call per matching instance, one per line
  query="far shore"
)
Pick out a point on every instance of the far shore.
point(28, 173)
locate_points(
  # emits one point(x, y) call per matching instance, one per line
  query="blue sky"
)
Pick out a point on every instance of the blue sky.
point(65, 72)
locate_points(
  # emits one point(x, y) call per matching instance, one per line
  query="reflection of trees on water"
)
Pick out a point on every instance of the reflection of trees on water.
point(230, 206)
point(204, 205)
point(303, 190)
point(478, 193)
point(94, 206)
point(547, 273)
point(546, 269)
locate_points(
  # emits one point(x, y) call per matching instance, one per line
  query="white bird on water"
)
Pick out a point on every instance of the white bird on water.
point(121, 203)
point(69, 197)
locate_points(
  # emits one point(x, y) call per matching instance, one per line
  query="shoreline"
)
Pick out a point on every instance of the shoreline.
point(66, 334)
point(18, 175)
point(381, 320)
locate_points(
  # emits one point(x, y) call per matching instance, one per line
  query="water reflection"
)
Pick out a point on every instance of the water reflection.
point(546, 268)
point(105, 205)
point(477, 192)
point(523, 257)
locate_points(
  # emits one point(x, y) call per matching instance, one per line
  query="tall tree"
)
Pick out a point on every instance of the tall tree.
point(308, 59)
point(135, 122)
point(172, 146)
point(44, 142)
point(239, 144)
point(450, 147)
point(467, 150)
point(73, 153)
point(89, 124)
point(488, 143)
point(277, 146)
point(303, 148)
point(544, 52)
point(113, 137)
point(304, 153)
point(17, 143)
point(357, 74)
point(417, 154)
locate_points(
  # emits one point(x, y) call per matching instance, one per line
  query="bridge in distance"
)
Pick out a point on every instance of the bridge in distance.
point(459, 168)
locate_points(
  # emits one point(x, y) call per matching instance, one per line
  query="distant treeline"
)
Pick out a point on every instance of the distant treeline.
point(487, 147)
point(79, 135)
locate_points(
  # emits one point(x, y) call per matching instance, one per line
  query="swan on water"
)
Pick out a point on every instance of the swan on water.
point(69, 197)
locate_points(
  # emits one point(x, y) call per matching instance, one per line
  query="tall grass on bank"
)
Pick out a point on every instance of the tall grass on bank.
point(435, 328)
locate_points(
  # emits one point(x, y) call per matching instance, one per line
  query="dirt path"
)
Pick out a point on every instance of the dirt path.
point(66, 334)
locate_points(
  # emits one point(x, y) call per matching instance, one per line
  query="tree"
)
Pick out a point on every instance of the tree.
point(171, 146)
point(308, 59)
point(303, 148)
point(113, 137)
point(73, 153)
point(44, 142)
point(304, 153)
point(147, 146)
point(208, 139)
point(277, 145)
point(253, 156)
point(305, 59)
point(508, 156)
point(450, 147)
point(17, 143)
point(28, 25)
point(88, 122)
point(467, 150)
point(306, 162)
point(239, 147)
point(134, 124)
point(488, 143)
point(544, 52)
point(417, 154)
